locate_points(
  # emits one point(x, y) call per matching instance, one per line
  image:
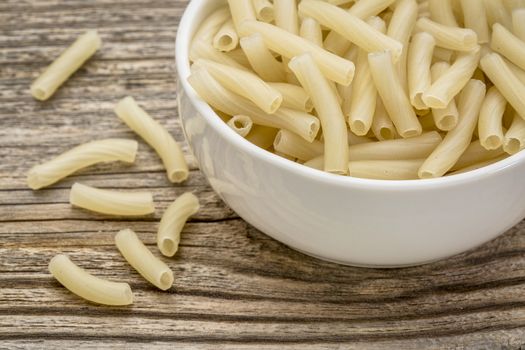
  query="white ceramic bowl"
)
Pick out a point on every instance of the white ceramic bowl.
point(346, 220)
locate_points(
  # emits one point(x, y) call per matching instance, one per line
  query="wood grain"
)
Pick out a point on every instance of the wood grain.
point(235, 288)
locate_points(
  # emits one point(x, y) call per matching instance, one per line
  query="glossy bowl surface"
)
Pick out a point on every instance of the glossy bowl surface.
point(347, 220)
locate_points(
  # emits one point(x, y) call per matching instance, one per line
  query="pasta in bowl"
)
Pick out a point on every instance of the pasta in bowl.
point(369, 218)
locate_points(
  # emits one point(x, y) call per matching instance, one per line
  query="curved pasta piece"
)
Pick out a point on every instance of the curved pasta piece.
point(85, 285)
point(111, 202)
point(141, 259)
point(156, 136)
point(173, 220)
point(82, 156)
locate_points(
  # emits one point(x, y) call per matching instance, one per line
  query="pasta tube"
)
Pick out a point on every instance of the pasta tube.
point(382, 126)
point(156, 136)
point(504, 79)
point(294, 96)
point(329, 111)
point(65, 65)
point(338, 44)
point(453, 38)
point(385, 169)
point(496, 13)
point(400, 28)
point(245, 84)
point(311, 30)
point(393, 95)
point(315, 163)
point(261, 59)
point(211, 25)
point(264, 10)
point(80, 282)
point(286, 15)
point(490, 125)
point(241, 10)
point(351, 27)
point(241, 124)
point(475, 18)
point(515, 136)
point(441, 12)
point(289, 45)
point(447, 153)
point(239, 56)
point(518, 23)
point(82, 156)
point(412, 148)
point(508, 45)
point(444, 118)
point(418, 65)
point(479, 165)
point(111, 202)
point(474, 154)
point(261, 136)
point(226, 38)
point(141, 259)
point(201, 49)
point(303, 124)
point(441, 54)
point(450, 83)
point(172, 222)
point(290, 144)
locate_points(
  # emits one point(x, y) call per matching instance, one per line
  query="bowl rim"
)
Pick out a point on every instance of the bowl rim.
point(183, 39)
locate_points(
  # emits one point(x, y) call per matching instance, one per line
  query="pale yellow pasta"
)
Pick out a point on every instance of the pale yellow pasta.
point(490, 124)
point(453, 38)
point(508, 45)
point(65, 65)
point(286, 15)
point(351, 27)
point(303, 124)
point(311, 30)
point(111, 202)
point(239, 56)
point(418, 67)
point(478, 165)
point(81, 156)
point(294, 96)
point(340, 2)
point(385, 169)
point(363, 98)
point(289, 45)
point(398, 149)
point(241, 10)
point(511, 5)
point(141, 259)
point(515, 137)
point(226, 38)
point(261, 59)
point(447, 153)
point(475, 18)
point(315, 163)
point(441, 12)
point(345, 92)
point(427, 122)
point(474, 154)
point(353, 139)
point(338, 44)
point(444, 118)
point(241, 124)
point(261, 136)
point(173, 221)
point(292, 145)
point(441, 54)
point(156, 136)
point(245, 84)
point(400, 28)
point(285, 156)
point(200, 49)
point(392, 94)
point(505, 80)
point(382, 126)
point(329, 112)
point(497, 13)
point(211, 25)
point(518, 23)
point(85, 285)
point(450, 83)
point(264, 10)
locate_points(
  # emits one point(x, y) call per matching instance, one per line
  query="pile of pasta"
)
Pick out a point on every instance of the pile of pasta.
point(379, 89)
point(110, 202)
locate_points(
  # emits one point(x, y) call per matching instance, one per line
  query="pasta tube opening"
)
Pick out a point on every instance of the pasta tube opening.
point(241, 124)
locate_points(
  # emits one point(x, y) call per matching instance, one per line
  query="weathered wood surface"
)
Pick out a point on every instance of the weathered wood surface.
point(235, 288)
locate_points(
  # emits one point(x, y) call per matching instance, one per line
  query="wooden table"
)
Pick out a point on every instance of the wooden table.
point(235, 288)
